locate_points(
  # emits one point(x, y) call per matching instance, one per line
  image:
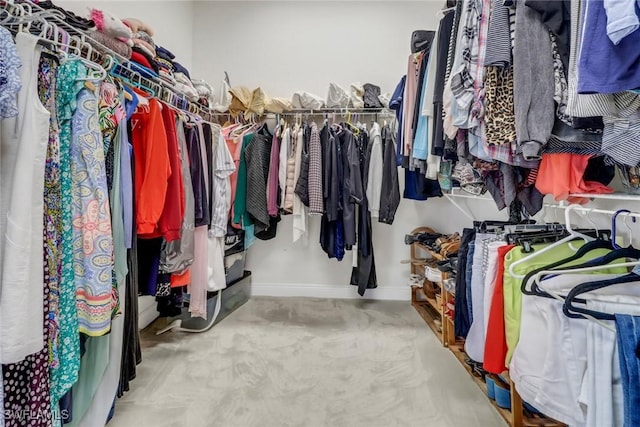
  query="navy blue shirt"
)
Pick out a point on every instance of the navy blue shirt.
point(603, 66)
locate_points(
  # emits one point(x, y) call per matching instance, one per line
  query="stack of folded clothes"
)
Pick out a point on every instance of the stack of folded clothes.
point(69, 17)
point(164, 59)
point(205, 92)
point(144, 50)
point(174, 74)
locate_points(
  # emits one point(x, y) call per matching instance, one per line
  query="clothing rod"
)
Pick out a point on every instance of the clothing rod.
point(581, 209)
point(177, 100)
point(368, 111)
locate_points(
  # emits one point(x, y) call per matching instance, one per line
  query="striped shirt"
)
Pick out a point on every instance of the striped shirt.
point(499, 36)
point(621, 135)
point(223, 167)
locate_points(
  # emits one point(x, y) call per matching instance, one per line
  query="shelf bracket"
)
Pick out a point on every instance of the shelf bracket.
point(461, 208)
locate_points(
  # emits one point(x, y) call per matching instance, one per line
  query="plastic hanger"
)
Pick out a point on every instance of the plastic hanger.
point(582, 251)
point(573, 235)
point(614, 227)
point(602, 262)
point(597, 263)
point(559, 297)
point(575, 312)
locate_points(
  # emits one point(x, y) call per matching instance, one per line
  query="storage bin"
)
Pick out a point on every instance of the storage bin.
point(233, 296)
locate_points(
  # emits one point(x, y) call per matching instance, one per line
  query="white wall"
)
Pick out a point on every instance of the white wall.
point(170, 20)
point(303, 45)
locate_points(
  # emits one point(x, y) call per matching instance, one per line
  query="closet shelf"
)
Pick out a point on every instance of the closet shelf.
point(457, 193)
point(612, 196)
point(382, 111)
point(423, 298)
point(434, 254)
point(458, 352)
point(427, 311)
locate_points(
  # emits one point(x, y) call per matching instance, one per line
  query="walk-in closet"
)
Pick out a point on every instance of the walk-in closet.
point(320, 213)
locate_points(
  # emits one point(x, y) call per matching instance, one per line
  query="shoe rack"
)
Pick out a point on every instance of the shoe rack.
point(430, 298)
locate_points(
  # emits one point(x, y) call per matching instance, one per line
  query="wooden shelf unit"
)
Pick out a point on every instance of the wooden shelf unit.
point(443, 327)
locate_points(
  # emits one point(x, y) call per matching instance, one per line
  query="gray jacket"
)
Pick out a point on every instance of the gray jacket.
point(390, 194)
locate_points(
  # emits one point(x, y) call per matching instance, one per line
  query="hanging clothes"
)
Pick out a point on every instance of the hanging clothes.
point(151, 154)
point(224, 167)
point(390, 190)
point(257, 156)
point(65, 374)
point(316, 205)
point(299, 209)
point(177, 256)
point(24, 149)
point(363, 275)
point(27, 383)
point(104, 387)
point(92, 234)
point(98, 356)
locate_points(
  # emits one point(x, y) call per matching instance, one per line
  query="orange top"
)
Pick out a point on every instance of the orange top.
point(170, 223)
point(562, 174)
point(152, 166)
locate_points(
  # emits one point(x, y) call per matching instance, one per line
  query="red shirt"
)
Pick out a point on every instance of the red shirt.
point(170, 223)
point(495, 348)
point(152, 167)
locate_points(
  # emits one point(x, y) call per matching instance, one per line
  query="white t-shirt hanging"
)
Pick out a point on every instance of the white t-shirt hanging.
point(224, 167)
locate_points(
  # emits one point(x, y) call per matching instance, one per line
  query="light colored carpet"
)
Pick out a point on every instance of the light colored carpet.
point(280, 362)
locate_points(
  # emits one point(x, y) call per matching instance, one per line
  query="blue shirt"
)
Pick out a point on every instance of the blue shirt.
point(603, 66)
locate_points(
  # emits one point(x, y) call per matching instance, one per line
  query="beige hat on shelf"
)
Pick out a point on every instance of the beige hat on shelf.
point(256, 102)
point(240, 99)
point(278, 105)
point(357, 93)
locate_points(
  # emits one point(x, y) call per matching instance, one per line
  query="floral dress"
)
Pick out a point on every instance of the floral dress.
point(111, 112)
point(92, 236)
point(9, 78)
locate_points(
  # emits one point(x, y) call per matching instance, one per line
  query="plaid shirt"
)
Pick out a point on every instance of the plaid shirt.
point(477, 110)
point(465, 63)
point(316, 206)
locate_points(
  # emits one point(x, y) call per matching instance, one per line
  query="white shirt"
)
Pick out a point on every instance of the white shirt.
point(374, 179)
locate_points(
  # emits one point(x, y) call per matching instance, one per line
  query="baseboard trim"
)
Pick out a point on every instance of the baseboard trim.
point(147, 311)
point(388, 293)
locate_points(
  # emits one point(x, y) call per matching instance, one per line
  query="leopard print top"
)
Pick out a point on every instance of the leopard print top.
point(500, 116)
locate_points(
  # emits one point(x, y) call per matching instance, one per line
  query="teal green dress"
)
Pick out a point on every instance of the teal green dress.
point(65, 374)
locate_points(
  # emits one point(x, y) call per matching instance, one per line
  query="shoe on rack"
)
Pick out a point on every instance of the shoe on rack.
point(415, 280)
